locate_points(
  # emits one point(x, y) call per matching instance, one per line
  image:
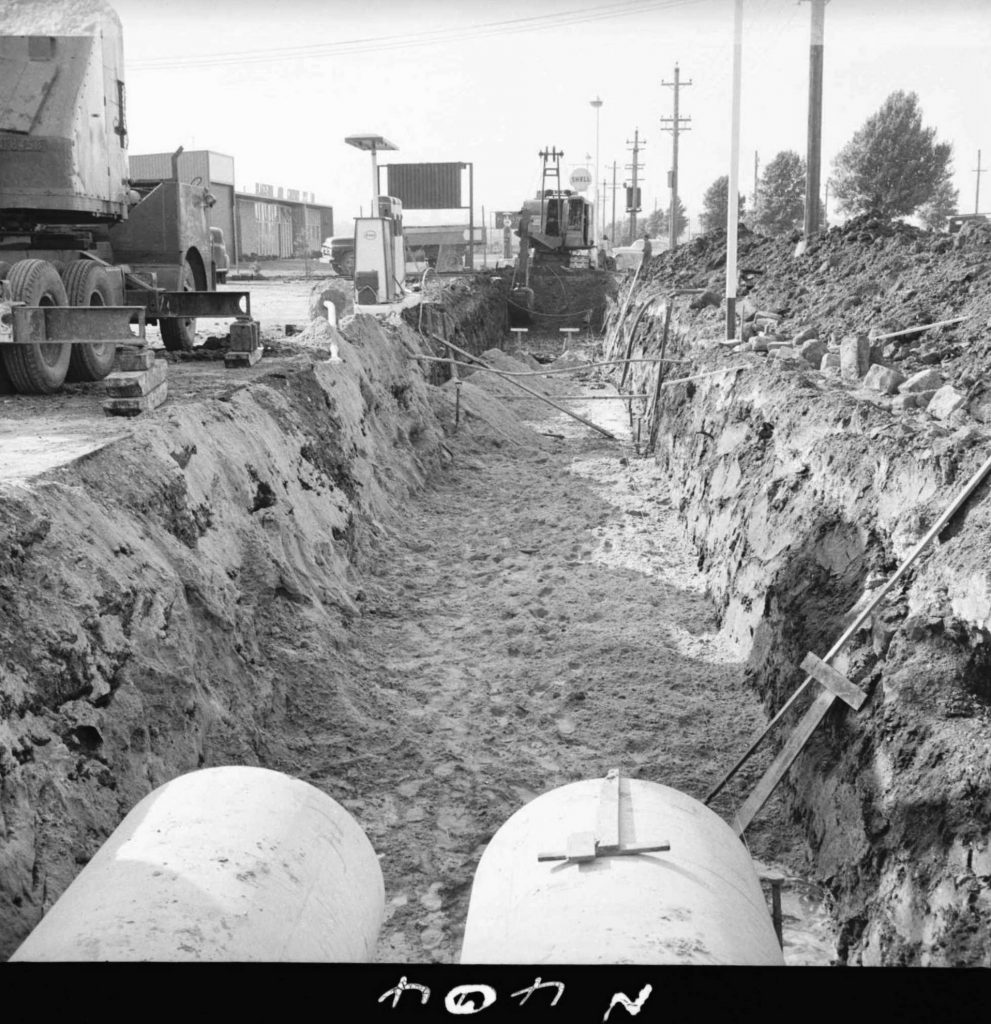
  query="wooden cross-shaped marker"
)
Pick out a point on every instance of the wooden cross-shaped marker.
point(581, 847)
point(834, 684)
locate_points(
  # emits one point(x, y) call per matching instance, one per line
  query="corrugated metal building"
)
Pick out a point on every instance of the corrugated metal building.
point(270, 223)
point(277, 223)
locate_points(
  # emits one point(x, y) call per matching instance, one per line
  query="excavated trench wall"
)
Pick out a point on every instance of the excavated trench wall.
point(182, 597)
point(801, 496)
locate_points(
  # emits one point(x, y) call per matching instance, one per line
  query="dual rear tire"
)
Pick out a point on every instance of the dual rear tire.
point(36, 369)
point(42, 369)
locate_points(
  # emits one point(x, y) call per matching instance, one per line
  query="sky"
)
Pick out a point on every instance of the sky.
point(278, 84)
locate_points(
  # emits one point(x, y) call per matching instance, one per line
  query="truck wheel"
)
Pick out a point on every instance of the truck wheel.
point(36, 369)
point(86, 284)
point(179, 335)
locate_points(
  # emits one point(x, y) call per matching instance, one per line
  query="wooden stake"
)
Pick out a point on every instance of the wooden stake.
point(826, 698)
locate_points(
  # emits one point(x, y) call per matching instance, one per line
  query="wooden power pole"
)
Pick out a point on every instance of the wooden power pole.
point(673, 125)
point(813, 155)
point(633, 207)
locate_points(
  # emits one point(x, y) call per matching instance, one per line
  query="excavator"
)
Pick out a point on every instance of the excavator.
point(556, 225)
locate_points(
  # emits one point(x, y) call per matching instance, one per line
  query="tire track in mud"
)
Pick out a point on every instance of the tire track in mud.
point(535, 620)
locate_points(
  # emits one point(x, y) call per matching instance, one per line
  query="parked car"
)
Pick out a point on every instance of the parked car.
point(218, 251)
point(339, 253)
point(629, 257)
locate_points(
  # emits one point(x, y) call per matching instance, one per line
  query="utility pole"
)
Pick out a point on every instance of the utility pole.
point(633, 207)
point(978, 170)
point(814, 149)
point(732, 200)
point(673, 125)
point(597, 104)
point(755, 182)
point(605, 186)
point(614, 238)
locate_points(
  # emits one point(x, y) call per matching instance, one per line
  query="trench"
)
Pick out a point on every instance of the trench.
point(320, 573)
point(316, 572)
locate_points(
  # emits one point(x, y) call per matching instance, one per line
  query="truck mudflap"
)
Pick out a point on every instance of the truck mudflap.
point(192, 304)
point(76, 325)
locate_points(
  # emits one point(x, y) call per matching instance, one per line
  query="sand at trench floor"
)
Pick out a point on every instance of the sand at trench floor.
point(537, 620)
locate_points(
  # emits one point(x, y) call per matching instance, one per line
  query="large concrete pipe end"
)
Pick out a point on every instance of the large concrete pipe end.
point(223, 864)
point(691, 897)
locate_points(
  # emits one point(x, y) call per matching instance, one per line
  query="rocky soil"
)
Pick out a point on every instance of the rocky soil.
point(804, 479)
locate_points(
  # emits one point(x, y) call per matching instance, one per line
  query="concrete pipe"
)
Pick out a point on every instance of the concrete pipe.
point(700, 902)
point(223, 864)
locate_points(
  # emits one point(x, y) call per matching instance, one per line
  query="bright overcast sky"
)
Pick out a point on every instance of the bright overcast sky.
point(279, 84)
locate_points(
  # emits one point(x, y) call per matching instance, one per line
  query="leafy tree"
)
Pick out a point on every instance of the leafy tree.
point(940, 207)
point(781, 195)
point(892, 165)
point(658, 221)
point(715, 204)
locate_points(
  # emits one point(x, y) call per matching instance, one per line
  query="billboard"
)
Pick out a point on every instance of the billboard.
point(426, 186)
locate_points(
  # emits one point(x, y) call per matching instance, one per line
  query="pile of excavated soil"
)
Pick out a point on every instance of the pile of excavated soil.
point(866, 276)
point(179, 597)
point(803, 490)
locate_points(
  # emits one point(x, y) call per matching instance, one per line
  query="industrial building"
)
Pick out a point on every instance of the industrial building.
point(268, 223)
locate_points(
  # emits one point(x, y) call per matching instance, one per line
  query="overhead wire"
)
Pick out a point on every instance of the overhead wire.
point(427, 37)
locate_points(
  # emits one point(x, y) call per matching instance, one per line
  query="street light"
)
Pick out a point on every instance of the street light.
point(597, 103)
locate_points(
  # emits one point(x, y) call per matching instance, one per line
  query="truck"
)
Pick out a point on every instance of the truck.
point(88, 257)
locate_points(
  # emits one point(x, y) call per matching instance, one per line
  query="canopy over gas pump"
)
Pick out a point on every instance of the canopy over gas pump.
point(379, 248)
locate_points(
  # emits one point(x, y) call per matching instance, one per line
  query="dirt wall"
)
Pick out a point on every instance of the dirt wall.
point(802, 492)
point(150, 591)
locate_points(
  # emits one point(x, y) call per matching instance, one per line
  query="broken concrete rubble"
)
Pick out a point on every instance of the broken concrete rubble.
point(945, 401)
point(855, 354)
point(924, 380)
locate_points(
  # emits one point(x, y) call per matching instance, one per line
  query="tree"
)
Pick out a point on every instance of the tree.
point(658, 221)
point(941, 207)
point(781, 195)
point(715, 204)
point(892, 165)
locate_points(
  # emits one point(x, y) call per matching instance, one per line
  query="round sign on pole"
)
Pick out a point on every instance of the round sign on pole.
point(580, 178)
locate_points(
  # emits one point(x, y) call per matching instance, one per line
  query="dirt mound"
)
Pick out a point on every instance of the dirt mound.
point(868, 275)
point(803, 488)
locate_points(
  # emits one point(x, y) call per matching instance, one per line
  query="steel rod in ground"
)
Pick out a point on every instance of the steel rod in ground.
point(530, 391)
point(544, 373)
point(917, 330)
point(883, 592)
point(582, 398)
point(655, 419)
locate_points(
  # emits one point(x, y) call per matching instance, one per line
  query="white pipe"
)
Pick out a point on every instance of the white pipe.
point(223, 864)
point(699, 902)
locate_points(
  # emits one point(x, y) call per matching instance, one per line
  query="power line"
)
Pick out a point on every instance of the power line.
point(535, 23)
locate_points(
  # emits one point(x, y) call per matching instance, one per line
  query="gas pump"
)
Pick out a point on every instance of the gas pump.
point(379, 254)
